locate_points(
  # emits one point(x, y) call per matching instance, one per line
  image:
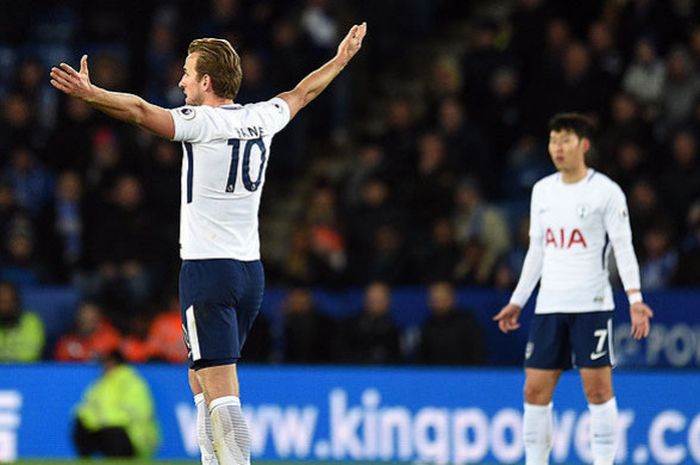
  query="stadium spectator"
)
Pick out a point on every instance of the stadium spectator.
point(464, 144)
point(502, 121)
point(368, 165)
point(645, 209)
point(476, 221)
point(546, 72)
point(21, 331)
point(61, 229)
point(506, 276)
point(445, 81)
point(300, 265)
point(121, 244)
point(18, 124)
point(480, 61)
point(31, 84)
point(308, 333)
point(255, 87)
point(136, 346)
point(327, 240)
point(688, 272)
point(388, 259)
point(22, 266)
point(627, 123)
point(116, 416)
point(92, 338)
point(450, 335)
point(660, 259)
point(107, 162)
point(399, 138)
point(371, 336)
point(165, 335)
point(630, 163)
point(607, 60)
point(378, 209)
point(679, 183)
point(429, 189)
point(644, 77)
point(72, 137)
point(13, 218)
point(578, 86)
point(680, 88)
point(436, 259)
point(32, 182)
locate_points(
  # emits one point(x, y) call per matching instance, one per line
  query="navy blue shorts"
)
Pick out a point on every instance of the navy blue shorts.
point(559, 341)
point(219, 300)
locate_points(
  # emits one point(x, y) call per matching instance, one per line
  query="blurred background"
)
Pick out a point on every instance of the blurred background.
point(394, 219)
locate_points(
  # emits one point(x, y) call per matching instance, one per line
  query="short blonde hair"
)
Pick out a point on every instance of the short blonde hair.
point(219, 60)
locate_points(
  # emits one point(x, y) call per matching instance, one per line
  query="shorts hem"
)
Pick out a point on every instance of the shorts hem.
point(206, 363)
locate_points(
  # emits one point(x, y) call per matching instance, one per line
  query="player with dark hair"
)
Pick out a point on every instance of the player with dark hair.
point(226, 147)
point(576, 215)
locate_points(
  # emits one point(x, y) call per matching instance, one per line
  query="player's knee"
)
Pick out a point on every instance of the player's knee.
point(537, 394)
point(598, 394)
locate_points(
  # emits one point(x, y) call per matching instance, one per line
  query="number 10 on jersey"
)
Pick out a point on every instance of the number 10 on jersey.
point(248, 183)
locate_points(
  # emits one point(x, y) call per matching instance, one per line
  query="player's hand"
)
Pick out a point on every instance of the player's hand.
point(352, 43)
point(74, 83)
point(640, 314)
point(507, 318)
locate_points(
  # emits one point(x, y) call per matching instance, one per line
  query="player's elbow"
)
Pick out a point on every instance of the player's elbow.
point(137, 114)
point(302, 97)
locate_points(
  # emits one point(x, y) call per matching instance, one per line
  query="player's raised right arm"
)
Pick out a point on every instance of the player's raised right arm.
point(312, 85)
point(125, 107)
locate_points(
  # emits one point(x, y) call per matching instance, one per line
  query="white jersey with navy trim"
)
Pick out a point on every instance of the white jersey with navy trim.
point(572, 228)
point(225, 154)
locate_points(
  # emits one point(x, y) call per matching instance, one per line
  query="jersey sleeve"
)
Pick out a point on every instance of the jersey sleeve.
point(535, 206)
point(274, 114)
point(617, 226)
point(616, 217)
point(532, 266)
point(193, 124)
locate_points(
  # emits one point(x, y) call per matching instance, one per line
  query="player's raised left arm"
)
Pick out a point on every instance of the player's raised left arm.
point(312, 85)
point(125, 107)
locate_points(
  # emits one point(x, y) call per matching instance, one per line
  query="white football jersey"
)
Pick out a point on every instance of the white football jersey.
point(225, 154)
point(574, 224)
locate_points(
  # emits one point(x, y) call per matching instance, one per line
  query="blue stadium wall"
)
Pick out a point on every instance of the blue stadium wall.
point(397, 414)
point(674, 341)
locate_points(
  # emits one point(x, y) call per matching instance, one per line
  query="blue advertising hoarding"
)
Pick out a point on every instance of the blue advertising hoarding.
point(394, 414)
point(674, 340)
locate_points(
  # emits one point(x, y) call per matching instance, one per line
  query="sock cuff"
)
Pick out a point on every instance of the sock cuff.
point(221, 401)
point(612, 403)
point(199, 398)
point(538, 408)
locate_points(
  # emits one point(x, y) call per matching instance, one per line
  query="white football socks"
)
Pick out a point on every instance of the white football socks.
point(537, 433)
point(230, 432)
point(603, 432)
point(204, 436)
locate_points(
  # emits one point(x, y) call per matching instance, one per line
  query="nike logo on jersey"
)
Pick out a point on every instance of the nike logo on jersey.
point(597, 355)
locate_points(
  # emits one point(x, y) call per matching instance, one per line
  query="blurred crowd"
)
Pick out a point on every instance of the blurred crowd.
point(414, 168)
